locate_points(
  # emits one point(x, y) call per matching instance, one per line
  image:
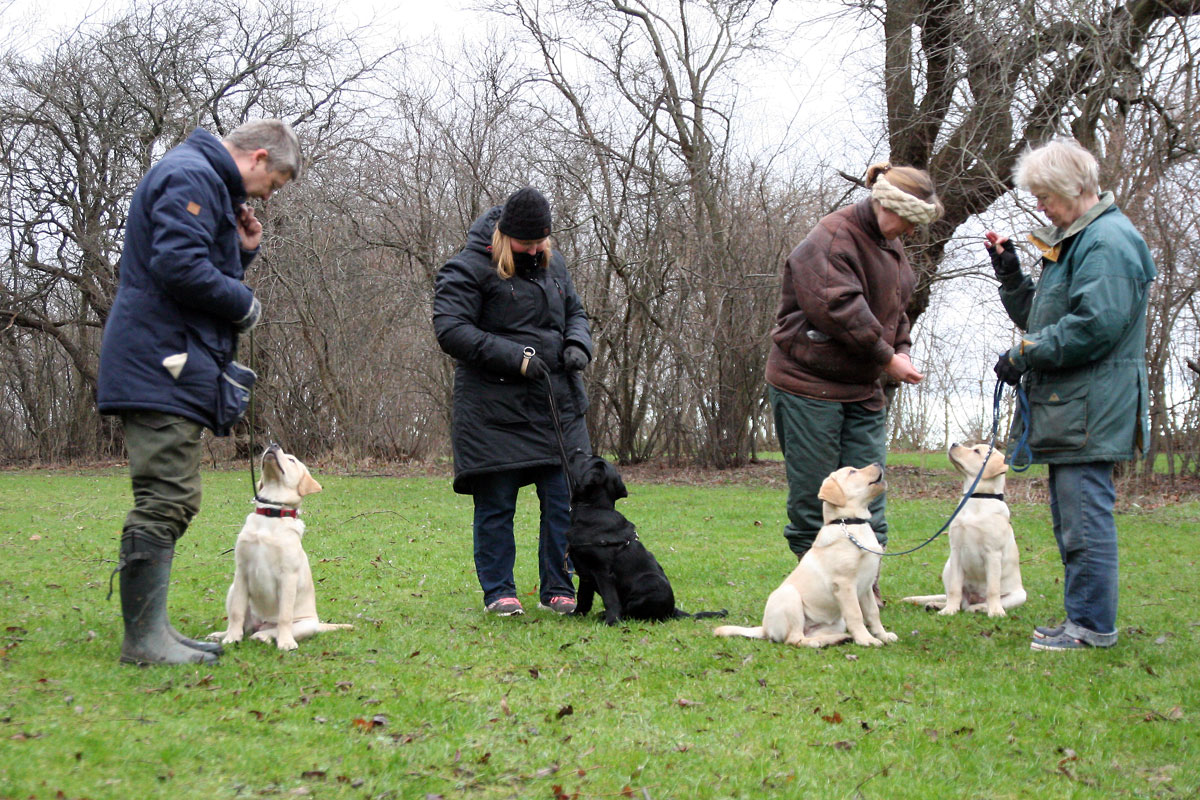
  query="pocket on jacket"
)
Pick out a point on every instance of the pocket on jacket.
point(1058, 415)
point(233, 395)
point(486, 398)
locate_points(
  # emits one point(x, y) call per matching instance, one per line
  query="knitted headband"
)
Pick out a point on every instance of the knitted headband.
point(913, 209)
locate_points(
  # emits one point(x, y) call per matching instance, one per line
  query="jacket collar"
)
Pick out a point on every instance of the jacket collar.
point(1048, 238)
point(864, 216)
point(219, 158)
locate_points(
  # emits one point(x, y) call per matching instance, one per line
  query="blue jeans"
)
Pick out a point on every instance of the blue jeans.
point(1081, 505)
point(496, 547)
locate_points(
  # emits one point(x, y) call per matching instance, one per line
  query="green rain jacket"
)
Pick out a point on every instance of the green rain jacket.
point(1083, 351)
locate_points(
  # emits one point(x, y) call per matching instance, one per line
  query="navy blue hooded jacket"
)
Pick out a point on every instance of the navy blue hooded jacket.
point(171, 328)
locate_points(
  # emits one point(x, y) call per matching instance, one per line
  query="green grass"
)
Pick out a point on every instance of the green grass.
point(428, 697)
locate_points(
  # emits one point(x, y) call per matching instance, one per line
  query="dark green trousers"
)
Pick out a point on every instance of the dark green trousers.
point(818, 437)
point(164, 467)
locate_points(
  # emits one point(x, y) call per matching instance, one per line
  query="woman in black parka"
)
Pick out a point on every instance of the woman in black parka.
point(505, 308)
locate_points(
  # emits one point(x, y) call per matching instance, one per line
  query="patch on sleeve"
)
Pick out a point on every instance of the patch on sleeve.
point(194, 208)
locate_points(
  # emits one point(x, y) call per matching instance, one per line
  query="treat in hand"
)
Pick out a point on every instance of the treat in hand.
point(992, 236)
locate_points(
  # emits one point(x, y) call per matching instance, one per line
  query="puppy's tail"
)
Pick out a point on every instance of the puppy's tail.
point(924, 599)
point(734, 630)
point(325, 627)
point(679, 613)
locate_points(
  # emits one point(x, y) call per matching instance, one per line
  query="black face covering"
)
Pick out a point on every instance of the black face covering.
point(527, 264)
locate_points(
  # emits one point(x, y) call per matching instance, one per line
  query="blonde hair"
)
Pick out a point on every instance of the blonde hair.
point(502, 254)
point(1062, 167)
point(911, 181)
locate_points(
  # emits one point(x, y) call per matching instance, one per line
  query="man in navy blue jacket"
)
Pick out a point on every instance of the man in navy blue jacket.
point(166, 361)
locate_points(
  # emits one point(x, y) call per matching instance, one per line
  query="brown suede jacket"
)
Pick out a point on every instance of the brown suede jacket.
point(842, 313)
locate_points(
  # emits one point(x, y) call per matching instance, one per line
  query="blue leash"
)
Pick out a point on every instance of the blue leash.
point(1022, 450)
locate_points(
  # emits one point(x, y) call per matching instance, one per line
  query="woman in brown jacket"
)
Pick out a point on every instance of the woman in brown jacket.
point(841, 327)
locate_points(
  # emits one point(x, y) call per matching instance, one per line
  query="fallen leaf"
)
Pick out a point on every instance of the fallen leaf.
point(546, 772)
point(313, 775)
point(833, 718)
point(843, 745)
point(565, 711)
point(684, 703)
point(504, 707)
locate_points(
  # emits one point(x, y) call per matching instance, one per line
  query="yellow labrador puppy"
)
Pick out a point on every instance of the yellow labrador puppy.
point(983, 571)
point(828, 599)
point(272, 595)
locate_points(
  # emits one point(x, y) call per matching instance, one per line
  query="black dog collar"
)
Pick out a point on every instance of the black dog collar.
point(849, 521)
point(986, 496)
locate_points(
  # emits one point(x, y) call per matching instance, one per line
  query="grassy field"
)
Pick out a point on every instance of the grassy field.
point(429, 698)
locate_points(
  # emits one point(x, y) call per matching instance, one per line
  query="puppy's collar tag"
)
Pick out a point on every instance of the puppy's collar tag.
point(277, 512)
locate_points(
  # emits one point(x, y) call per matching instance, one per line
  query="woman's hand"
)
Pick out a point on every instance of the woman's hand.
point(901, 369)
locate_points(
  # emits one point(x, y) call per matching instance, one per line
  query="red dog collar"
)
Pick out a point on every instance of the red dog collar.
point(277, 512)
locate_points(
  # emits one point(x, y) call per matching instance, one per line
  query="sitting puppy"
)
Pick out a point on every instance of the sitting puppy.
point(606, 552)
point(828, 596)
point(983, 570)
point(272, 595)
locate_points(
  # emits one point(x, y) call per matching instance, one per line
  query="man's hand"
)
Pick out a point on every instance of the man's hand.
point(249, 228)
point(247, 322)
point(574, 358)
point(1007, 371)
point(901, 368)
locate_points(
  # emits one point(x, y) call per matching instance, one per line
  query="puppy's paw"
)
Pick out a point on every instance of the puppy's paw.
point(264, 636)
point(231, 638)
point(997, 612)
point(888, 637)
point(946, 610)
point(215, 636)
point(868, 641)
point(287, 643)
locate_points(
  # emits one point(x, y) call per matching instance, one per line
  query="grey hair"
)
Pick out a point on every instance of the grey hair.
point(1062, 167)
point(273, 135)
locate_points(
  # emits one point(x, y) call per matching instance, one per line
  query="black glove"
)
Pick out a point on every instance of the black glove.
point(1006, 263)
point(535, 370)
point(247, 322)
point(574, 358)
point(1007, 371)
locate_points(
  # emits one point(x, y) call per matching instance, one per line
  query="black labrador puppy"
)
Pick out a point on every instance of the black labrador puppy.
point(607, 554)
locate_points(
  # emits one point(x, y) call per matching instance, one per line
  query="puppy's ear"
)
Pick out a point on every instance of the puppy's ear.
point(308, 485)
point(995, 466)
point(613, 484)
point(832, 492)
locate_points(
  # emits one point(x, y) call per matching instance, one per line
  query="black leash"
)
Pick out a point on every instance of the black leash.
point(1022, 449)
point(558, 434)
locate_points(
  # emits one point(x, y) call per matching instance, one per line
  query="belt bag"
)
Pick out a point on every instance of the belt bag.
point(233, 395)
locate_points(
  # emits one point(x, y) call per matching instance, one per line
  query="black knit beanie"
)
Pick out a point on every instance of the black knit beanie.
point(526, 215)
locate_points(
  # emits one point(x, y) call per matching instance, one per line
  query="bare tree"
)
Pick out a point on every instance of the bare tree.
point(654, 111)
point(81, 124)
point(970, 84)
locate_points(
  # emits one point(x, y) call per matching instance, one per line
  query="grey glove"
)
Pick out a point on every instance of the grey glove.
point(574, 358)
point(247, 322)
